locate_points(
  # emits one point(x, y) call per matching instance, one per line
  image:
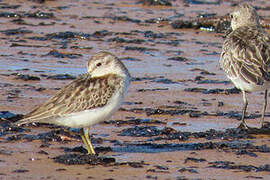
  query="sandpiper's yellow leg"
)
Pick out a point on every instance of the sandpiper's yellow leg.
point(85, 137)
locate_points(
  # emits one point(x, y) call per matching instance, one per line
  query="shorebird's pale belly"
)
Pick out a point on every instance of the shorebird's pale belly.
point(240, 84)
point(89, 117)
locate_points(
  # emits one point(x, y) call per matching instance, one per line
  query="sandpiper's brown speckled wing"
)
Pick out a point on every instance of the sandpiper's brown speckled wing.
point(81, 94)
point(246, 54)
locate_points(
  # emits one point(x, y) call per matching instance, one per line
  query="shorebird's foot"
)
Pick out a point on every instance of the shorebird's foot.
point(243, 125)
point(264, 125)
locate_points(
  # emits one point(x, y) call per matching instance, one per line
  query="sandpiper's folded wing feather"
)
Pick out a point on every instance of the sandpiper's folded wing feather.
point(81, 94)
point(246, 54)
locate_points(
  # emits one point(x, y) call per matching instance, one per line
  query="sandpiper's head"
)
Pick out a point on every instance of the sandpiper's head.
point(104, 63)
point(244, 15)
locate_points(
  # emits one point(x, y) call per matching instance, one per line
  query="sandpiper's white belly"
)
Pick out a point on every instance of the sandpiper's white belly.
point(89, 117)
point(240, 84)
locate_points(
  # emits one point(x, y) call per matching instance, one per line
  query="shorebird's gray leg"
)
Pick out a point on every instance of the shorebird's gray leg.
point(264, 106)
point(245, 104)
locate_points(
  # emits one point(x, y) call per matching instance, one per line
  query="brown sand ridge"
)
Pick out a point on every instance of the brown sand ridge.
point(179, 118)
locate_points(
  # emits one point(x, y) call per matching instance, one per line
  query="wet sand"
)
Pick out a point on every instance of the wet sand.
point(180, 115)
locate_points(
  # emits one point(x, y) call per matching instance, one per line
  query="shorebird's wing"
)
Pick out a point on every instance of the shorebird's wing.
point(81, 94)
point(246, 54)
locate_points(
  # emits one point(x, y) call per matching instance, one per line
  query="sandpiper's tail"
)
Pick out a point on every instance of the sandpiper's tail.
point(22, 121)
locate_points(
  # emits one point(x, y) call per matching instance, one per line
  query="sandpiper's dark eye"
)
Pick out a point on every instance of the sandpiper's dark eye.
point(98, 64)
point(231, 16)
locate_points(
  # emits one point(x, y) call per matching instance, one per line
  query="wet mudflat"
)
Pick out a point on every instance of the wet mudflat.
point(179, 118)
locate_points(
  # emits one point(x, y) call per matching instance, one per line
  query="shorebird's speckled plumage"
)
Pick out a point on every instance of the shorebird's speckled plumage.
point(91, 98)
point(84, 93)
point(245, 56)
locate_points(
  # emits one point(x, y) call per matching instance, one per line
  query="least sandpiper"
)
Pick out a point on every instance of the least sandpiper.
point(91, 98)
point(245, 56)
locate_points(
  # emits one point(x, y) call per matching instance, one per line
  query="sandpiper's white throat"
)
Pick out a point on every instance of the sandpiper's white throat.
point(245, 56)
point(91, 98)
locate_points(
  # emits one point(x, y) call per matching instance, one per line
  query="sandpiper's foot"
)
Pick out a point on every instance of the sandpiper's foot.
point(264, 125)
point(243, 125)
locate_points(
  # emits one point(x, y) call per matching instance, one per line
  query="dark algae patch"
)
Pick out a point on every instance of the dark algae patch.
point(39, 15)
point(194, 159)
point(168, 133)
point(213, 91)
point(191, 111)
point(203, 2)
point(20, 171)
point(26, 77)
point(233, 165)
point(6, 115)
point(79, 159)
point(58, 54)
point(11, 32)
point(155, 2)
point(81, 149)
point(61, 77)
point(141, 131)
point(94, 160)
point(226, 146)
point(135, 121)
point(190, 170)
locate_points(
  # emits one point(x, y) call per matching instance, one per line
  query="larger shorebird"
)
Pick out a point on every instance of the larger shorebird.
point(245, 56)
point(90, 99)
